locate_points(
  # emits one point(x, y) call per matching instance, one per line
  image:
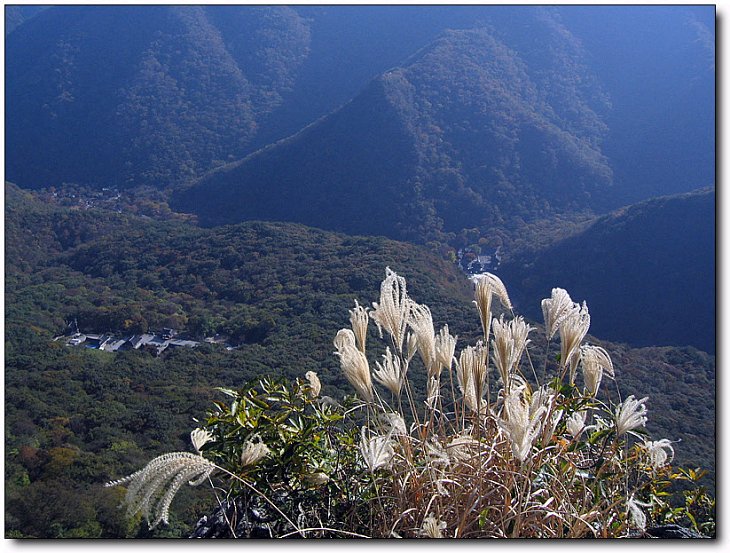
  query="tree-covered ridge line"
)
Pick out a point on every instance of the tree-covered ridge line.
point(184, 91)
point(191, 88)
point(74, 417)
point(472, 141)
point(657, 255)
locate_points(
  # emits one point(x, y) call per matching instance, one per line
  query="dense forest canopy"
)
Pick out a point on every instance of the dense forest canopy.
point(612, 72)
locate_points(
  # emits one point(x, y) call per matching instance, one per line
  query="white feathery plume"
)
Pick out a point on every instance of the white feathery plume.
point(411, 346)
point(359, 321)
point(463, 448)
point(576, 423)
point(572, 331)
point(636, 515)
point(445, 347)
point(356, 369)
point(630, 414)
point(200, 437)
point(344, 338)
point(254, 449)
point(433, 391)
point(389, 373)
point(486, 285)
point(509, 342)
point(520, 427)
point(503, 347)
point(152, 489)
point(594, 360)
point(519, 329)
point(395, 425)
point(421, 322)
point(437, 455)
point(315, 386)
point(555, 309)
point(393, 310)
point(657, 454)
point(376, 451)
point(432, 527)
point(471, 375)
point(542, 397)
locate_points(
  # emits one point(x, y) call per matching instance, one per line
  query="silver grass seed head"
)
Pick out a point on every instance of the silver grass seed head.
point(376, 451)
point(445, 347)
point(432, 527)
point(437, 455)
point(509, 343)
point(471, 375)
point(315, 386)
point(503, 349)
point(254, 449)
point(520, 425)
point(389, 373)
point(520, 330)
point(392, 312)
point(433, 391)
point(576, 423)
point(355, 367)
point(411, 346)
point(359, 321)
point(555, 309)
point(485, 286)
point(463, 448)
point(344, 338)
point(393, 424)
point(152, 489)
point(630, 414)
point(636, 515)
point(572, 331)
point(660, 452)
point(543, 398)
point(421, 323)
point(594, 360)
point(200, 437)
point(492, 283)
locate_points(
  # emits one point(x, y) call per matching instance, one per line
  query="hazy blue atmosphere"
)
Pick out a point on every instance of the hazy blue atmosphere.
point(233, 177)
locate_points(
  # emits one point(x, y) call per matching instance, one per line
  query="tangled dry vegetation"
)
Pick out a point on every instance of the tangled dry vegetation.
point(435, 444)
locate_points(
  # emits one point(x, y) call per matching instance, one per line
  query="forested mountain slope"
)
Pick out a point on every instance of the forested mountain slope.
point(179, 90)
point(658, 64)
point(647, 271)
point(463, 135)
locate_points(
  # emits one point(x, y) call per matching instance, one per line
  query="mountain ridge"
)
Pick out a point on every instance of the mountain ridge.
point(645, 269)
point(443, 164)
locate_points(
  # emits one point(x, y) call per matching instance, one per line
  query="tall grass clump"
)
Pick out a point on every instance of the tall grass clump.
point(438, 441)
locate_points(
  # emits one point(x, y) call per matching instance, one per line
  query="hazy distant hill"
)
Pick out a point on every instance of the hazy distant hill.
point(658, 64)
point(647, 272)
point(463, 135)
point(182, 90)
point(143, 94)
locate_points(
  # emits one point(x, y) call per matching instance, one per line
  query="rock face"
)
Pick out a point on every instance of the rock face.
point(234, 520)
